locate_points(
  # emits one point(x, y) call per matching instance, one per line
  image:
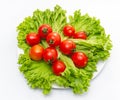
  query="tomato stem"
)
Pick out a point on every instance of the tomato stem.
point(45, 30)
point(73, 50)
point(51, 41)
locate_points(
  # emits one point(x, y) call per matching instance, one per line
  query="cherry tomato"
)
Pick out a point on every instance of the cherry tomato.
point(36, 52)
point(80, 59)
point(68, 30)
point(58, 67)
point(53, 39)
point(67, 47)
point(32, 39)
point(80, 35)
point(50, 55)
point(44, 30)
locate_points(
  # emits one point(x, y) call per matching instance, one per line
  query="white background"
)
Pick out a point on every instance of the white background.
point(12, 84)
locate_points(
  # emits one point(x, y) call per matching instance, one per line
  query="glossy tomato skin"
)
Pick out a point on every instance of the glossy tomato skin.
point(53, 39)
point(67, 47)
point(58, 67)
point(50, 55)
point(80, 35)
point(44, 30)
point(32, 39)
point(68, 30)
point(36, 52)
point(80, 59)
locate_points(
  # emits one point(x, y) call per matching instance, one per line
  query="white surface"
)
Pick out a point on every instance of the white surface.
point(12, 84)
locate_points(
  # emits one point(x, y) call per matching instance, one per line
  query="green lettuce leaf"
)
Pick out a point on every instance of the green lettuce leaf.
point(56, 18)
point(86, 23)
point(38, 74)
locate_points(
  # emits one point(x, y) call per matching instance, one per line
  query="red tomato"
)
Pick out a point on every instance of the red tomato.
point(58, 67)
point(67, 47)
point(44, 30)
point(80, 35)
point(50, 55)
point(32, 39)
point(80, 59)
point(53, 39)
point(68, 30)
point(36, 52)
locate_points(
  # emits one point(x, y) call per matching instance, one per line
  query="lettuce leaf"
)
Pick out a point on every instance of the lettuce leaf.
point(86, 23)
point(57, 19)
point(96, 47)
point(38, 74)
point(79, 79)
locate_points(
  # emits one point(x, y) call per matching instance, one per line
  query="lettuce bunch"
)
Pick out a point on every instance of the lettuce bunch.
point(39, 74)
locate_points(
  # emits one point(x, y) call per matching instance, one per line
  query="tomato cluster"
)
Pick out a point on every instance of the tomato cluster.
point(50, 54)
